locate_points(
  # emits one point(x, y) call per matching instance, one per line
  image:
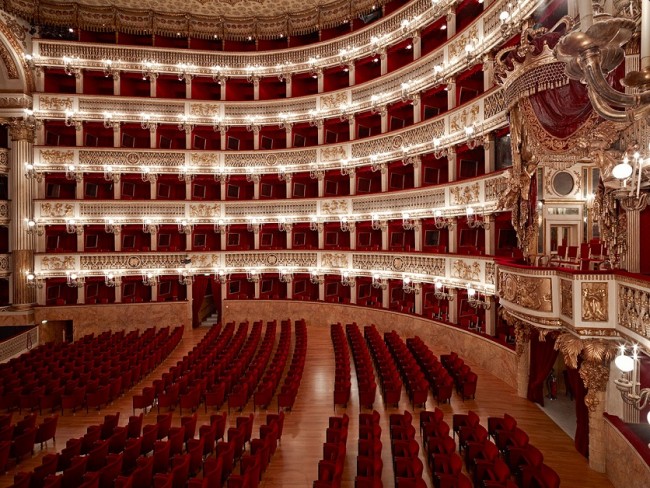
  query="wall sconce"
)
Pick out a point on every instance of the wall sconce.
point(74, 280)
point(509, 26)
point(441, 292)
point(347, 279)
point(378, 104)
point(409, 286)
point(184, 72)
point(218, 75)
point(438, 150)
point(111, 69)
point(186, 173)
point(221, 275)
point(346, 169)
point(315, 173)
point(31, 172)
point(474, 299)
point(347, 224)
point(438, 75)
point(221, 227)
point(315, 224)
point(473, 137)
point(378, 282)
point(185, 123)
point(253, 124)
point(470, 47)
point(72, 227)
point(33, 280)
point(69, 68)
point(347, 111)
point(316, 277)
point(185, 276)
point(285, 123)
point(147, 175)
point(184, 226)
point(252, 176)
point(108, 121)
point(71, 120)
point(283, 175)
point(407, 94)
point(253, 225)
point(111, 279)
point(146, 123)
point(30, 59)
point(110, 175)
point(149, 227)
point(376, 45)
point(630, 173)
point(408, 223)
point(71, 173)
point(111, 226)
point(149, 278)
point(476, 221)
point(285, 275)
point(252, 75)
point(442, 222)
point(221, 176)
point(629, 384)
point(315, 118)
point(375, 165)
point(253, 276)
point(220, 125)
point(378, 224)
point(284, 225)
point(33, 228)
point(149, 70)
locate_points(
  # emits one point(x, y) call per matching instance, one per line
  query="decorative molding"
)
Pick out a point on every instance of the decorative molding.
point(57, 210)
point(525, 291)
point(466, 271)
point(595, 306)
point(566, 298)
point(464, 195)
point(56, 104)
point(57, 156)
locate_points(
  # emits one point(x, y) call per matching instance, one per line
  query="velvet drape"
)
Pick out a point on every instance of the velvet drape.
point(542, 358)
point(581, 440)
point(563, 110)
point(199, 288)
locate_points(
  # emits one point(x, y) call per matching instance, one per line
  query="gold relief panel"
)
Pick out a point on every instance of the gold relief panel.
point(334, 101)
point(566, 298)
point(465, 117)
point(465, 271)
point(526, 291)
point(463, 195)
point(205, 110)
point(633, 307)
point(333, 153)
point(204, 159)
point(334, 260)
point(54, 156)
point(595, 307)
point(205, 210)
point(56, 104)
point(55, 263)
point(56, 209)
point(335, 207)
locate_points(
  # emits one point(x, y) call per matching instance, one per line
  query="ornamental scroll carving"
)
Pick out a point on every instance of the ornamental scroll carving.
point(465, 271)
point(257, 260)
point(146, 261)
point(4, 263)
point(332, 153)
point(204, 159)
point(54, 156)
point(458, 47)
point(333, 101)
point(527, 292)
point(465, 117)
point(405, 264)
point(204, 210)
point(56, 104)
point(464, 195)
point(566, 298)
point(335, 207)
point(594, 302)
point(205, 110)
point(4, 210)
point(634, 309)
point(55, 263)
point(4, 160)
point(56, 209)
point(334, 260)
point(489, 272)
point(126, 158)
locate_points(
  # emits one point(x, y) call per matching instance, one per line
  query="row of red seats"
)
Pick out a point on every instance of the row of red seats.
point(252, 368)
point(269, 383)
point(440, 381)
point(330, 467)
point(464, 378)
point(363, 366)
point(97, 381)
point(342, 384)
point(369, 463)
point(289, 390)
point(407, 466)
point(391, 384)
point(416, 384)
point(17, 441)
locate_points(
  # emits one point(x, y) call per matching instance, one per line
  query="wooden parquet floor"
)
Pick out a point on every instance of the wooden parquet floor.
point(295, 462)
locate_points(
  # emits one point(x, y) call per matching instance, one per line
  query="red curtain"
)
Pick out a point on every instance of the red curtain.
point(199, 288)
point(581, 440)
point(563, 110)
point(542, 358)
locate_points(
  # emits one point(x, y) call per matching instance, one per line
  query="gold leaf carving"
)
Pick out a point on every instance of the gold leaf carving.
point(335, 207)
point(54, 156)
point(464, 195)
point(204, 158)
point(57, 104)
point(465, 271)
point(56, 209)
point(57, 263)
point(525, 291)
point(332, 153)
point(464, 118)
point(334, 260)
point(333, 101)
point(594, 302)
point(566, 298)
point(205, 110)
point(205, 210)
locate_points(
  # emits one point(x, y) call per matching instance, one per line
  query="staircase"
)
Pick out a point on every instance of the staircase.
point(211, 320)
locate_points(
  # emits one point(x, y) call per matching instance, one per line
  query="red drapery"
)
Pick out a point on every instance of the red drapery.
point(542, 358)
point(199, 288)
point(581, 439)
point(563, 110)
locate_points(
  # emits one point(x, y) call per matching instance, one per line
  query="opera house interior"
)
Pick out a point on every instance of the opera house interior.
point(327, 222)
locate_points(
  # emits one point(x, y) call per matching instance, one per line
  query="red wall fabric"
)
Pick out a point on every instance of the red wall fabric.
point(542, 358)
point(581, 439)
point(645, 238)
point(563, 110)
point(199, 288)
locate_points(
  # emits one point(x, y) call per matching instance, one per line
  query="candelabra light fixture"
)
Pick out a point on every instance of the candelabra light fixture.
point(34, 228)
point(473, 136)
point(315, 173)
point(186, 123)
point(438, 150)
point(475, 301)
point(73, 227)
point(378, 103)
point(185, 71)
point(111, 279)
point(184, 226)
point(441, 292)
point(284, 225)
point(509, 25)
point(346, 168)
point(629, 383)
point(72, 120)
point(218, 75)
point(219, 124)
point(283, 174)
point(108, 121)
point(316, 277)
point(111, 68)
point(409, 286)
point(285, 275)
point(111, 226)
point(186, 173)
point(222, 275)
point(470, 52)
point(376, 165)
point(149, 226)
point(476, 221)
point(253, 275)
point(407, 93)
point(315, 224)
point(147, 175)
point(33, 280)
point(145, 121)
point(221, 226)
point(379, 282)
point(110, 174)
point(185, 276)
point(407, 222)
point(442, 222)
point(630, 172)
point(253, 123)
point(315, 118)
point(347, 111)
point(74, 279)
point(69, 68)
point(252, 176)
point(253, 225)
point(32, 173)
point(149, 70)
point(347, 279)
point(71, 172)
point(346, 223)
point(149, 278)
point(376, 223)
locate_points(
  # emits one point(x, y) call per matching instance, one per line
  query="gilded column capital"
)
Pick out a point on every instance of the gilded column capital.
point(21, 130)
point(522, 336)
point(595, 376)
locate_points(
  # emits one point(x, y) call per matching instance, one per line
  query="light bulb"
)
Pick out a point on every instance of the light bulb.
point(624, 363)
point(622, 171)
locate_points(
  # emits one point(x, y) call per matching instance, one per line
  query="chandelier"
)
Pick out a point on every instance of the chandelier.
point(441, 292)
point(629, 384)
point(378, 282)
point(74, 280)
point(33, 281)
point(442, 222)
point(347, 279)
point(149, 278)
point(474, 299)
point(476, 221)
point(185, 276)
point(409, 286)
point(110, 279)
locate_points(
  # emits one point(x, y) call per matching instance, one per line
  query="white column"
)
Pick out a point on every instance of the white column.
point(289, 233)
point(154, 241)
point(256, 88)
point(81, 295)
point(418, 300)
point(222, 94)
point(321, 80)
point(79, 81)
point(256, 187)
point(384, 177)
point(489, 153)
point(451, 23)
point(490, 236)
point(417, 111)
point(383, 57)
point(321, 236)
point(154, 293)
point(385, 298)
point(353, 236)
point(417, 171)
point(321, 186)
point(384, 235)
point(384, 120)
point(256, 137)
point(116, 84)
point(353, 182)
point(453, 307)
point(491, 317)
point(117, 135)
point(451, 94)
point(118, 290)
point(352, 134)
point(417, 46)
point(288, 86)
point(153, 142)
point(417, 229)
point(152, 86)
point(453, 237)
point(287, 136)
point(451, 164)
point(352, 74)
point(289, 289)
point(256, 238)
point(321, 292)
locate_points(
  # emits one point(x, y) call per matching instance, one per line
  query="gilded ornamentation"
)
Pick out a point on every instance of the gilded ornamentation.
point(206, 110)
point(594, 302)
point(595, 376)
point(333, 101)
point(634, 309)
point(566, 298)
point(204, 210)
point(101, 262)
point(611, 222)
point(334, 260)
point(407, 263)
point(204, 159)
point(55, 104)
point(457, 47)
point(56, 263)
point(7, 60)
point(522, 337)
point(334, 207)
point(4, 210)
point(332, 153)
point(4, 160)
point(489, 273)
point(465, 118)
point(19, 130)
point(57, 210)
point(466, 271)
point(464, 195)
point(526, 291)
point(55, 156)
point(261, 259)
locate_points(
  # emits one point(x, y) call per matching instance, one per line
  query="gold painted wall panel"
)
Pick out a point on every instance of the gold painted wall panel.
point(526, 291)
